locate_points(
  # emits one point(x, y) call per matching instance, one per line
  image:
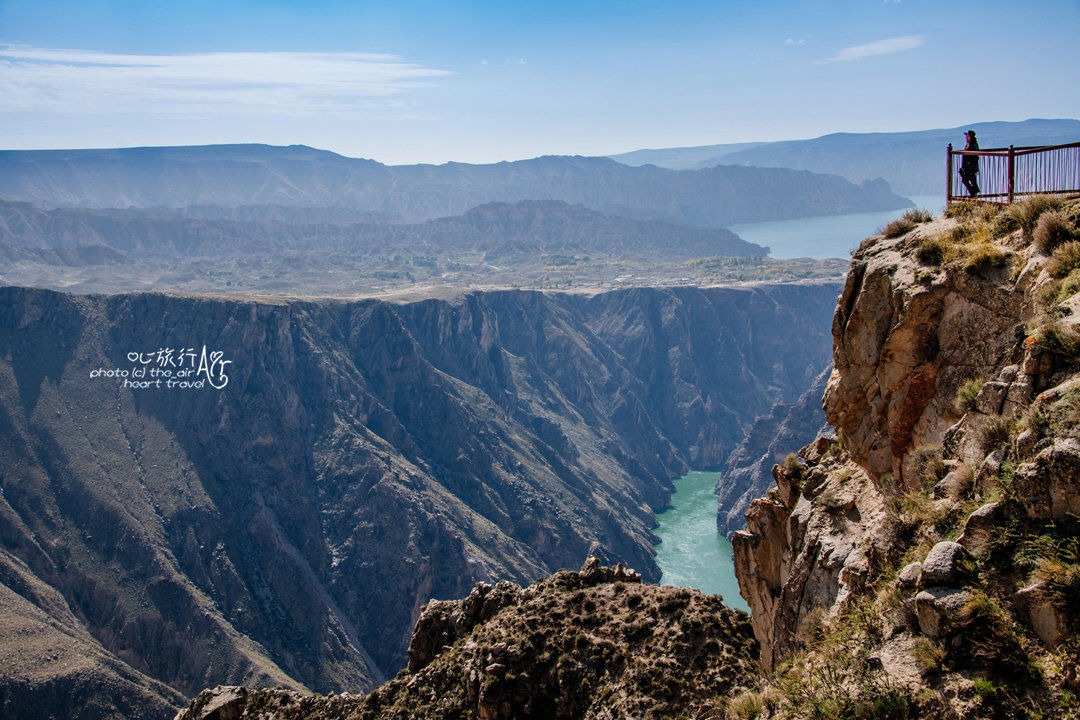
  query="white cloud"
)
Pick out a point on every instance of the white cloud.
point(881, 47)
point(286, 83)
point(791, 41)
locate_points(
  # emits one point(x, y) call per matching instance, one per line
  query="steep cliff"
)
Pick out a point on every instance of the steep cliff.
point(926, 562)
point(362, 458)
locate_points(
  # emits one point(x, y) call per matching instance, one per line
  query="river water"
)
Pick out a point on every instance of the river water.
point(828, 236)
point(692, 553)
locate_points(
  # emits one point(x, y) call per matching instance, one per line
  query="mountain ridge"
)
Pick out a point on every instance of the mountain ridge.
point(296, 176)
point(911, 161)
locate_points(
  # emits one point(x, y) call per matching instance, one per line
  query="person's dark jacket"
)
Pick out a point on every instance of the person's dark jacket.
point(970, 164)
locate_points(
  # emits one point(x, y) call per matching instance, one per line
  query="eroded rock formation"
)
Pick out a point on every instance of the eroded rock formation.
point(933, 542)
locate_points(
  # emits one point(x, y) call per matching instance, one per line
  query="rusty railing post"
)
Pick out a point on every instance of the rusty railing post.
point(1012, 171)
point(948, 175)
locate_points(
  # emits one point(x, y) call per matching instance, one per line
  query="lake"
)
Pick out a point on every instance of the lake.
point(828, 236)
point(692, 553)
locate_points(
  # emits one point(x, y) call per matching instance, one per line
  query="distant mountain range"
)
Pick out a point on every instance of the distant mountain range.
point(499, 231)
point(912, 162)
point(302, 177)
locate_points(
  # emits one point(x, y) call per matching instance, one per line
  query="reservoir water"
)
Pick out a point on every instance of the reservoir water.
point(691, 552)
point(828, 236)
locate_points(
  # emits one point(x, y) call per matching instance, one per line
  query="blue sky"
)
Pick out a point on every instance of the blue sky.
point(412, 81)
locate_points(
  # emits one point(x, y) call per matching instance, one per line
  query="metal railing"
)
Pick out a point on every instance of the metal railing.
point(1008, 173)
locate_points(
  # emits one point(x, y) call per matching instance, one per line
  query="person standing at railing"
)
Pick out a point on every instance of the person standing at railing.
point(969, 165)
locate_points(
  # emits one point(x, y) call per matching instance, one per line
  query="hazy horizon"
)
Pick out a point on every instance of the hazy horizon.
point(514, 159)
point(480, 82)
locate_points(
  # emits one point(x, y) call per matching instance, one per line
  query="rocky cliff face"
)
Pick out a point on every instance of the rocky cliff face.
point(904, 342)
point(925, 563)
point(364, 456)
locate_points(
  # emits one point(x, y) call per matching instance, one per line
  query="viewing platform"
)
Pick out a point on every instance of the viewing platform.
point(1008, 173)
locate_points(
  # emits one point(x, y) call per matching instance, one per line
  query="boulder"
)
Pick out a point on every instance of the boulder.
point(1025, 443)
point(991, 398)
point(955, 483)
point(946, 564)
point(937, 608)
point(1008, 374)
point(909, 576)
point(225, 702)
point(1048, 487)
point(1047, 620)
point(990, 467)
point(1020, 394)
point(980, 527)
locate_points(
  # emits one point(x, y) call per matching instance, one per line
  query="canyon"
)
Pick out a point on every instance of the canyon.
point(359, 458)
point(922, 562)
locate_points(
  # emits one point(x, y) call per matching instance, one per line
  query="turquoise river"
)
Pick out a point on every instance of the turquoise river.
point(691, 552)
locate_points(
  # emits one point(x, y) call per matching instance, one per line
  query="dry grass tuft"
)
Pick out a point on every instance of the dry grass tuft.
point(1065, 259)
point(1027, 211)
point(906, 223)
point(1052, 230)
point(924, 466)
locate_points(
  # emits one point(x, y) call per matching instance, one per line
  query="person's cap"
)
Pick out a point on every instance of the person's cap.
point(970, 132)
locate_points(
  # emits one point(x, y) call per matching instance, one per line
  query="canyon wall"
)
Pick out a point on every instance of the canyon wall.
point(363, 457)
point(932, 546)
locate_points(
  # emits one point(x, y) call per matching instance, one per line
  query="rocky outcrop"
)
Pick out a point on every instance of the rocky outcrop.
point(904, 341)
point(808, 545)
point(590, 644)
point(363, 458)
point(933, 540)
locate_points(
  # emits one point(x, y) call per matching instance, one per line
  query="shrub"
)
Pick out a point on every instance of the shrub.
point(931, 251)
point(746, 706)
point(968, 392)
point(970, 244)
point(1027, 211)
point(1062, 583)
point(984, 255)
point(1065, 259)
point(898, 227)
point(791, 467)
point(1052, 229)
point(973, 210)
point(1003, 224)
point(1069, 286)
point(1037, 420)
point(918, 215)
point(919, 510)
point(992, 639)
point(994, 433)
point(924, 466)
point(906, 223)
point(1059, 342)
point(928, 654)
